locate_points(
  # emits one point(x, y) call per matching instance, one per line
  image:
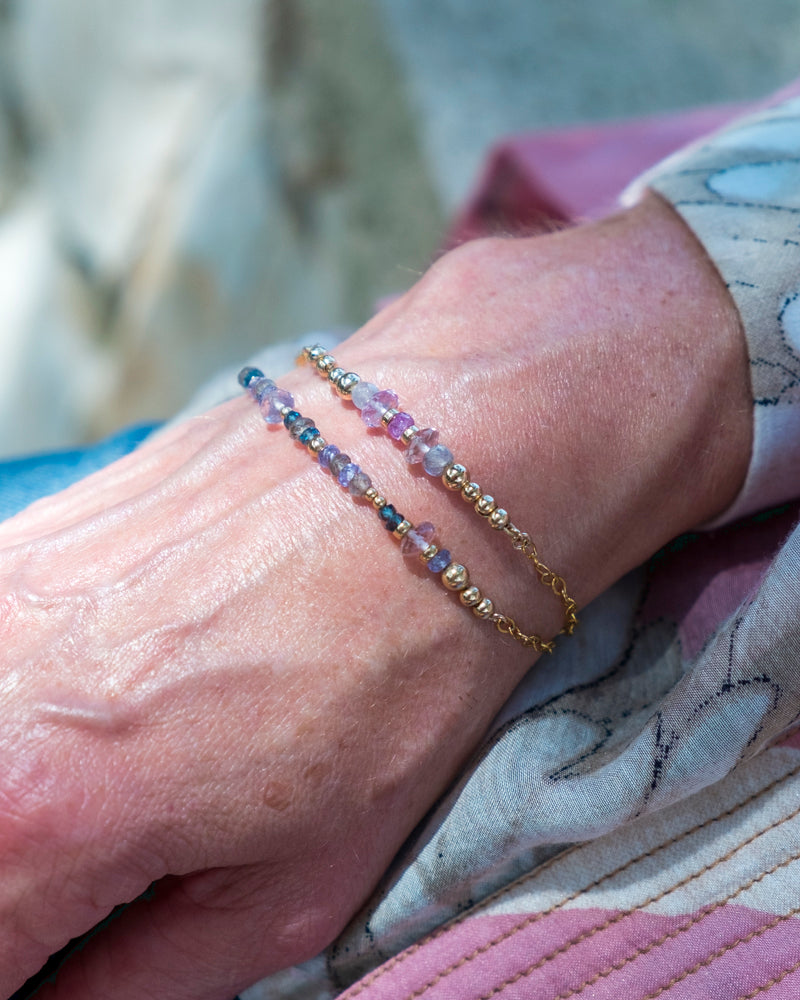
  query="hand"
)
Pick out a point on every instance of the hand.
point(219, 677)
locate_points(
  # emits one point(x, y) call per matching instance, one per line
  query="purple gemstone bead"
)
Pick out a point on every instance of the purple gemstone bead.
point(346, 473)
point(299, 426)
point(417, 540)
point(421, 444)
point(436, 460)
point(273, 402)
point(362, 393)
point(398, 424)
point(377, 405)
point(328, 452)
point(338, 462)
point(440, 561)
point(359, 484)
point(259, 387)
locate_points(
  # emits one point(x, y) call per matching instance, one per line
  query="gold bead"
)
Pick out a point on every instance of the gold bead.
point(455, 476)
point(429, 553)
point(455, 577)
point(316, 444)
point(347, 383)
point(388, 416)
point(409, 433)
point(402, 529)
point(484, 608)
point(485, 505)
point(470, 492)
point(470, 597)
point(325, 363)
point(314, 353)
point(283, 410)
point(370, 493)
point(379, 502)
point(498, 518)
point(335, 374)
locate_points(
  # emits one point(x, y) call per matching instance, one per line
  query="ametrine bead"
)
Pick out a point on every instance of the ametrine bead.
point(362, 393)
point(346, 473)
point(436, 460)
point(377, 405)
point(246, 375)
point(359, 484)
point(273, 402)
point(440, 561)
point(338, 462)
point(421, 444)
point(328, 452)
point(417, 540)
point(399, 423)
point(259, 387)
point(301, 424)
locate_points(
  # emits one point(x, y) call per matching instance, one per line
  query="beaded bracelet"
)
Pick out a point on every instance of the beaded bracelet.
point(277, 406)
point(379, 409)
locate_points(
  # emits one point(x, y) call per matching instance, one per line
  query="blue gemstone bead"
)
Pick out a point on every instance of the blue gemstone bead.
point(290, 418)
point(328, 452)
point(308, 433)
point(440, 561)
point(394, 520)
point(246, 376)
point(390, 517)
point(338, 462)
point(347, 472)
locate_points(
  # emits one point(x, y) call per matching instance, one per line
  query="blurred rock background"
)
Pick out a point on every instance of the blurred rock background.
point(182, 181)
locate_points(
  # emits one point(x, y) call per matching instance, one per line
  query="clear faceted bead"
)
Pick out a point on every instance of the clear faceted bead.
point(417, 540)
point(362, 393)
point(436, 460)
point(421, 444)
point(377, 405)
point(272, 402)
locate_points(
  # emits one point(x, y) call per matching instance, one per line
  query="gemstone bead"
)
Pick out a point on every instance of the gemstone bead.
point(290, 418)
point(417, 540)
point(246, 375)
point(308, 434)
point(436, 460)
point(440, 561)
point(376, 406)
point(273, 402)
point(259, 387)
point(399, 423)
point(421, 444)
point(359, 484)
point(301, 424)
point(328, 452)
point(338, 462)
point(362, 393)
point(390, 517)
point(346, 473)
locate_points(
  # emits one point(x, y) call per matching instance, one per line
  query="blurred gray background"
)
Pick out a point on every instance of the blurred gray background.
point(182, 181)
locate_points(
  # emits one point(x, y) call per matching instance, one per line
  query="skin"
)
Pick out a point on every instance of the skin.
point(219, 676)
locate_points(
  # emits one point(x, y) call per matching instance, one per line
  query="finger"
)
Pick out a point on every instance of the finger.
point(203, 937)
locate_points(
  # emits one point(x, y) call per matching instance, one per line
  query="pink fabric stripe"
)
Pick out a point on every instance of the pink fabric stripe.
point(563, 967)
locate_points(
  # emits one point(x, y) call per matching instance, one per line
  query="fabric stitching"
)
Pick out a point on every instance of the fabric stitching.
point(528, 876)
point(772, 982)
point(592, 931)
point(676, 931)
point(710, 959)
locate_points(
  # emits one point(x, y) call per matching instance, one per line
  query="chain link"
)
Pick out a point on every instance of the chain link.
point(522, 542)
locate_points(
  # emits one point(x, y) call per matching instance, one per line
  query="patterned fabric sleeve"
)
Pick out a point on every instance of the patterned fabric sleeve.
point(739, 191)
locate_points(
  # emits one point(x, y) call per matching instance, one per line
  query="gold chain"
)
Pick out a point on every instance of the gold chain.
point(523, 543)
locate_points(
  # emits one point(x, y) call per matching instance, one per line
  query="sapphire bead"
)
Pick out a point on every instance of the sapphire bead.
point(308, 433)
point(390, 517)
point(290, 418)
point(246, 375)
